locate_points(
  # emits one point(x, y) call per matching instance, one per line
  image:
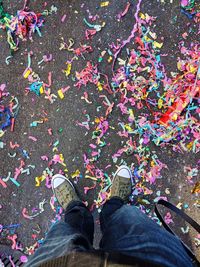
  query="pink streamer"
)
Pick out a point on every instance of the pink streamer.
point(124, 43)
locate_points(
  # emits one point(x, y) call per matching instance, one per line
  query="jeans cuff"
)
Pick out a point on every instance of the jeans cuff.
point(73, 204)
point(78, 216)
point(116, 199)
point(110, 207)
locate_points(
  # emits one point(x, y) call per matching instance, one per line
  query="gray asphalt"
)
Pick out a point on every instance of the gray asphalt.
point(65, 113)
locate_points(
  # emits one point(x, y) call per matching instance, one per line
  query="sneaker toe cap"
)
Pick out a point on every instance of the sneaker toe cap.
point(124, 172)
point(57, 181)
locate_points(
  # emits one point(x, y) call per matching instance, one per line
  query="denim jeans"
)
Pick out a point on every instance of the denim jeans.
point(125, 229)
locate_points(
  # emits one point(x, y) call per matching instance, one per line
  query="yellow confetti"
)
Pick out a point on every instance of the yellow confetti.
point(144, 96)
point(147, 39)
point(192, 68)
point(27, 73)
point(179, 205)
point(142, 16)
point(110, 59)
point(196, 188)
point(1, 133)
point(67, 71)
point(38, 180)
point(97, 120)
point(111, 127)
point(179, 65)
point(152, 163)
point(55, 149)
point(103, 4)
point(123, 85)
point(175, 117)
point(157, 45)
point(60, 94)
point(100, 87)
point(75, 174)
point(189, 146)
point(128, 128)
point(41, 90)
point(160, 103)
point(132, 117)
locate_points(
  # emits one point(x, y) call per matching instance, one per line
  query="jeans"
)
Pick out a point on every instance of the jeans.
point(125, 229)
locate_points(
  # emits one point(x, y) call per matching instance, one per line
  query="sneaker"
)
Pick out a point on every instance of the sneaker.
point(63, 190)
point(122, 183)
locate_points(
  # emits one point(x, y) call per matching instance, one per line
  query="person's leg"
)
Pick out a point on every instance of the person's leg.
point(74, 234)
point(78, 216)
point(127, 230)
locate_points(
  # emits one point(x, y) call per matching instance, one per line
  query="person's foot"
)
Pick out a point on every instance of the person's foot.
point(63, 190)
point(122, 183)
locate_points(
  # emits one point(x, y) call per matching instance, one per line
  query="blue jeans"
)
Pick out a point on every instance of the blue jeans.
point(125, 229)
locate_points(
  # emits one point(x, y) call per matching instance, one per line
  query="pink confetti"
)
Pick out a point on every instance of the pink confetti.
point(13, 145)
point(34, 139)
point(93, 146)
point(86, 189)
point(90, 33)
point(184, 3)
point(3, 183)
point(47, 58)
point(168, 218)
point(13, 239)
point(122, 14)
point(63, 18)
point(25, 214)
point(50, 131)
point(45, 158)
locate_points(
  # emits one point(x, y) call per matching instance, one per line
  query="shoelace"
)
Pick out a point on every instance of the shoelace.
point(123, 191)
